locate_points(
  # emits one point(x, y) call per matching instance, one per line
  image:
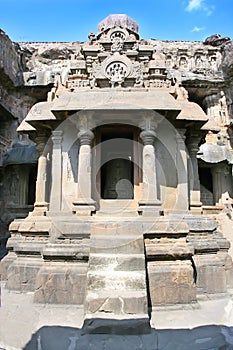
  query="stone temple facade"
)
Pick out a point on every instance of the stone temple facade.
point(115, 155)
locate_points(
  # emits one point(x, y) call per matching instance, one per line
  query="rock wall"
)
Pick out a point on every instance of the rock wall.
point(227, 67)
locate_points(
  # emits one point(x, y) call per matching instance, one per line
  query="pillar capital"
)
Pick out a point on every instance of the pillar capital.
point(40, 143)
point(57, 137)
point(211, 100)
point(193, 149)
point(85, 137)
point(148, 137)
point(180, 136)
point(222, 169)
point(192, 143)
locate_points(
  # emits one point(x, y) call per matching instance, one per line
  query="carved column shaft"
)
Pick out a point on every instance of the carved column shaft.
point(84, 204)
point(56, 190)
point(149, 200)
point(41, 206)
point(194, 182)
point(149, 170)
point(182, 168)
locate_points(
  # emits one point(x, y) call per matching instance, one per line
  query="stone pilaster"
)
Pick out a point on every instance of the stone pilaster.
point(149, 203)
point(195, 204)
point(56, 190)
point(182, 168)
point(84, 204)
point(41, 205)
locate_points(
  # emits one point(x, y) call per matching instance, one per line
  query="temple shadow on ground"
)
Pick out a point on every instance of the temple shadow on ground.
point(121, 334)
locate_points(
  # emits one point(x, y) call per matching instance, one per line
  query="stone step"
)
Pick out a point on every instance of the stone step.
point(116, 204)
point(104, 244)
point(119, 212)
point(117, 293)
point(116, 229)
point(117, 208)
point(117, 262)
point(116, 278)
point(115, 281)
point(129, 303)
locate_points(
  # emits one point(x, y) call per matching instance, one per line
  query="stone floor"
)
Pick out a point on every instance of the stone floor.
point(207, 325)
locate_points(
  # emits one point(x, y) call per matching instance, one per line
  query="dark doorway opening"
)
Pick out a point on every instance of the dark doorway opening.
point(206, 186)
point(116, 180)
point(117, 170)
point(32, 185)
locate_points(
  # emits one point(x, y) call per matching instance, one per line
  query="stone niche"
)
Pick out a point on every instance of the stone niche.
point(132, 154)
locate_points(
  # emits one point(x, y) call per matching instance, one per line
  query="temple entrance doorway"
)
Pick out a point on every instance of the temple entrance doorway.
point(206, 186)
point(119, 167)
point(116, 179)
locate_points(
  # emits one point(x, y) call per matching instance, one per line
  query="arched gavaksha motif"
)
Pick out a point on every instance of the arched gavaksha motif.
point(118, 34)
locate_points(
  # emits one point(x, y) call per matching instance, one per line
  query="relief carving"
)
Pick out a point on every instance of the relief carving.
point(117, 45)
point(138, 74)
point(116, 72)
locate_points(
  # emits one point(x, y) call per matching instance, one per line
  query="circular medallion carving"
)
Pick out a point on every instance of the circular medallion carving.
point(116, 72)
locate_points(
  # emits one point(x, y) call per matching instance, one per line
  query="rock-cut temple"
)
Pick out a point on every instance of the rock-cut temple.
point(116, 165)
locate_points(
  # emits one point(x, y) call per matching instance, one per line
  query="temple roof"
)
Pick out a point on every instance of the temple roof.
point(118, 20)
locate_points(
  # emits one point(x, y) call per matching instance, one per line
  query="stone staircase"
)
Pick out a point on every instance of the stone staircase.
point(116, 279)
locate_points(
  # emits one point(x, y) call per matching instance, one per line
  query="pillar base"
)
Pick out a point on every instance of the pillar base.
point(196, 208)
point(84, 207)
point(150, 207)
point(40, 209)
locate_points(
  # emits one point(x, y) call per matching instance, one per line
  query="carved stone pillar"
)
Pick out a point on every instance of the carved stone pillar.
point(182, 169)
point(84, 205)
point(56, 189)
point(195, 203)
point(221, 184)
point(41, 206)
point(216, 107)
point(149, 205)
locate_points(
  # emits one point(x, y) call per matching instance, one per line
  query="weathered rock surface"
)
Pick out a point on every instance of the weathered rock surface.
point(11, 64)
